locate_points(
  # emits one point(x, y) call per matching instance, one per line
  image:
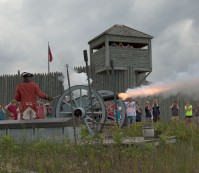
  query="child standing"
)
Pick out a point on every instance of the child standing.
point(2, 112)
point(12, 108)
point(156, 111)
point(138, 113)
point(148, 112)
point(175, 111)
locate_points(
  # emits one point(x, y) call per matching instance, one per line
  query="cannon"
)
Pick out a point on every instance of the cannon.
point(89, 107)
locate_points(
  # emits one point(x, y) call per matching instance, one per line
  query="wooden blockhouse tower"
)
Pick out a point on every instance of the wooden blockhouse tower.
point(130, 51)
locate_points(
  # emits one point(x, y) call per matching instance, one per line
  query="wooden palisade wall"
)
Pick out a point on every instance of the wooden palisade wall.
point(48, 83)
point(51, 85)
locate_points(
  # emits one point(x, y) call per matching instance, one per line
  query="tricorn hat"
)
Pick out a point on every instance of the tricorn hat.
point(26, 74)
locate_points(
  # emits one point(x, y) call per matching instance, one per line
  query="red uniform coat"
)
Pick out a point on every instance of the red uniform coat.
point(27, 93)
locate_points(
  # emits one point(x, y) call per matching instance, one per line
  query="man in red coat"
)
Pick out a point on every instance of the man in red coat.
point(27, 93)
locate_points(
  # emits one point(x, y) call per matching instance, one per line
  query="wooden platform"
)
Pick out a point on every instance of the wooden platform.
point(55, 129)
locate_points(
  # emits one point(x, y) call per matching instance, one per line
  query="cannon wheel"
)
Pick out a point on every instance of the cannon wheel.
point(80, 106)
point(120, 103)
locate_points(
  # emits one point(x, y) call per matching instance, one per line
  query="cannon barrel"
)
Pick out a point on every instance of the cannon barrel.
point(109, 97)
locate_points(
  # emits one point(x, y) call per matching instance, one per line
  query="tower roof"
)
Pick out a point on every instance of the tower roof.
point(123, 30)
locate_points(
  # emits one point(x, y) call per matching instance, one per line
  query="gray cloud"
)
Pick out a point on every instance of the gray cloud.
point(176, 50)
point(27, 26)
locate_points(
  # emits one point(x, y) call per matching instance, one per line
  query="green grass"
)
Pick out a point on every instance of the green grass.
point(45, 156)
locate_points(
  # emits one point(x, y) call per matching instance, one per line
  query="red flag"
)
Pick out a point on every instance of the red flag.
point(50, 57)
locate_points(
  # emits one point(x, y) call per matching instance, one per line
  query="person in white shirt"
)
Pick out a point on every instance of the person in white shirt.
point(130, 110)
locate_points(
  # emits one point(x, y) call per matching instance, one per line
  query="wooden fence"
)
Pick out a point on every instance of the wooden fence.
point(48, 83)
point(52, 86)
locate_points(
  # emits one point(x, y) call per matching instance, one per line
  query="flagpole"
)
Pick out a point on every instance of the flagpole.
point(48, 59)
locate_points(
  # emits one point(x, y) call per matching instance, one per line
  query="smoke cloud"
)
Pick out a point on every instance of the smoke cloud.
point(75, 78)
point(183, 83)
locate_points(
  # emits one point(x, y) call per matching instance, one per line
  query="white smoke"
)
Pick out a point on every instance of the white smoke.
point(74, 77)
point(183, 83)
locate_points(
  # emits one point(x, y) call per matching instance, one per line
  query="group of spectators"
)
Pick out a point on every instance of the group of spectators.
point(134, 112)
point(43, 111)
point(151, 112)
point(121, 45)
point(191, 113)
point(25, 104)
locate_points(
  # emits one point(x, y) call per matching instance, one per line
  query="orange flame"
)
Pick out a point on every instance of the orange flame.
point(123, 96)
point(142, 92)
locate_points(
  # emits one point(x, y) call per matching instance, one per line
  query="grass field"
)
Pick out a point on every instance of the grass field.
point(67, 157)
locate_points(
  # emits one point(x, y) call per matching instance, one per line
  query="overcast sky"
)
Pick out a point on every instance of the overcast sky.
point(28, 25)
